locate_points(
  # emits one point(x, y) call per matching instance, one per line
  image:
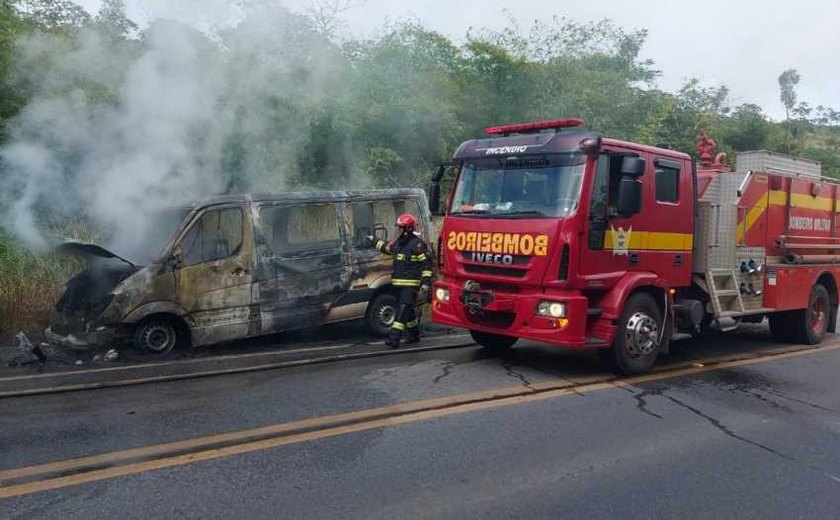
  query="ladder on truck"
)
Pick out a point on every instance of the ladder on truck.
point(725, 293)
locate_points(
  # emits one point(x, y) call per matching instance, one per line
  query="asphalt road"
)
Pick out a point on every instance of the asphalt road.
point(754, 439)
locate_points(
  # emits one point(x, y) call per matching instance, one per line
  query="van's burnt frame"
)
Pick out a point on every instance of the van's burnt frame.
point(260, 289)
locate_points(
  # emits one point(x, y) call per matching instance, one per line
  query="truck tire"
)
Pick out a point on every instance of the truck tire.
point(381, 313)
point(156, 336)
point(636, 344)
point(813, 321)
point(494, 342)
point(782, 327)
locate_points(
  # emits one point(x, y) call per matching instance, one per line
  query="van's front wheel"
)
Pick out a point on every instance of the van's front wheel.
point(381, 313)
point(156, 336)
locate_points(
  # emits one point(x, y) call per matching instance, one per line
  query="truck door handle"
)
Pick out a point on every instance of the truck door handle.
point(633, 258)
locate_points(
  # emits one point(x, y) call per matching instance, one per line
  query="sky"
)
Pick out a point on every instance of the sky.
point(744, 44)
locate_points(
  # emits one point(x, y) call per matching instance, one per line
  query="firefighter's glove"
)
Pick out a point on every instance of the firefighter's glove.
point(423, 295)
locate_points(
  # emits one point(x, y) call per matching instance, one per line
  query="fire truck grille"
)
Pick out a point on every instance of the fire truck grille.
point(512, 272)
point(500, 319)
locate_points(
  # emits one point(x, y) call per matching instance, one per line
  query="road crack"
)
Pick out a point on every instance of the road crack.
point(728, 432)
point(641, 402)
point(511, 372)
point(446, 367)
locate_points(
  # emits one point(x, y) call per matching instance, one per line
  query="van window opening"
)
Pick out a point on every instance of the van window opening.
point(217, 234)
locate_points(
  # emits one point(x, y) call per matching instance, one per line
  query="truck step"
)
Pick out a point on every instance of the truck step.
point(727, 292)
point(679, 336)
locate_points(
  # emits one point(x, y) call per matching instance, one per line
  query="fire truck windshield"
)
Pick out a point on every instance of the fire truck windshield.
point(534, 186)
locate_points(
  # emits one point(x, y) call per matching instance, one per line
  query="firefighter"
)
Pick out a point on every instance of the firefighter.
point(411, 276)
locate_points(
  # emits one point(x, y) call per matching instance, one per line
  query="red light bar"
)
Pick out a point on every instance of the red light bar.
point(568, 122)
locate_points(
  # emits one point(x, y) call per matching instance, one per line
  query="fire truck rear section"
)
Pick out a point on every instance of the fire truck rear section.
point(654, 249)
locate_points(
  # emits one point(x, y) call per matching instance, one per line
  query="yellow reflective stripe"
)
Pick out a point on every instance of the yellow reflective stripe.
point(426, 274)
point(379, 244)
point(653, 241)
point(398, 326)
point(418, 258)
point(400, 256)
point(405, 283)
point(413, 323)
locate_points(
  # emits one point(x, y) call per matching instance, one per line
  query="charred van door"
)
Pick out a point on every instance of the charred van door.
point(215, 257)
point(302, 267)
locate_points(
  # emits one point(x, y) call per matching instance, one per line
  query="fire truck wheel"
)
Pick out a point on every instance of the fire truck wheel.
point(156, 336)
point(813, 323)
point(490, 341)
point(381, 312)
point(636, 343)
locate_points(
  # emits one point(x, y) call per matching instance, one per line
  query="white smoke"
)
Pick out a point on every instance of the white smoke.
point(119, 134)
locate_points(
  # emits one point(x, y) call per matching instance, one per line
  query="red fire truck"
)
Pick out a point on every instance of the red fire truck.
point(556, 234)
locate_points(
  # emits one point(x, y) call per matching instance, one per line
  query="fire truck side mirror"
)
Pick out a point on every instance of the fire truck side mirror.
point(629, 196)
point(632, 166)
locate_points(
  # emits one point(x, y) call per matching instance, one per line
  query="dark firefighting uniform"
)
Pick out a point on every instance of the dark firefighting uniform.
point(412, 268)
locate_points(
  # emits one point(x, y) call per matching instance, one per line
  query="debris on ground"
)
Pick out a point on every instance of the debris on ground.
point(27, 353)
point(112, 355)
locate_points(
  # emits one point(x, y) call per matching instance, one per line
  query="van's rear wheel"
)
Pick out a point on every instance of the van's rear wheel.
point(637, 339)
point(495, 342)
point(381, 313)
point(156, 336)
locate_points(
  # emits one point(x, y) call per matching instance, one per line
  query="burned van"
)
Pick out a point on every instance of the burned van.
point(239, 266)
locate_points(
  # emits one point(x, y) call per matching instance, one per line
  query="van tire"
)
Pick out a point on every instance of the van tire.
point(493, 342)
point(630, 353)
point(381, 313)
point(156, 336)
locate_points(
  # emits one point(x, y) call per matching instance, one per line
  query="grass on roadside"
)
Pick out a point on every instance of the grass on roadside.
point(30, 284)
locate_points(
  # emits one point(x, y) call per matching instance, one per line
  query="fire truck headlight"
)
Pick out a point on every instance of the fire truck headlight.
point(552, 309)
point(442, 294)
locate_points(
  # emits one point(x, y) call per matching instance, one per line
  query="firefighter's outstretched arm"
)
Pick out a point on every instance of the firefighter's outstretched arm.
point(386, 248)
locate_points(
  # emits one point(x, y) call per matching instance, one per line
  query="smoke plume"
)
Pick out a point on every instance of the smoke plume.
point(118, 130)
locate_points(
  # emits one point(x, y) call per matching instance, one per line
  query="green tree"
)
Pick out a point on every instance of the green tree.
point(113, 20)
point(787, 90)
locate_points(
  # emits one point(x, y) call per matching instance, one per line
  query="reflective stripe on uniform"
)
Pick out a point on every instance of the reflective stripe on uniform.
point(400, 256)
point(405, 283)
point(412, 324)
point(419, 258)
point(379, 244)
point(398, 326)
point(426, 274)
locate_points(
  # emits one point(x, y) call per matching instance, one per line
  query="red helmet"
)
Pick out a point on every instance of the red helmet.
point(407, 221)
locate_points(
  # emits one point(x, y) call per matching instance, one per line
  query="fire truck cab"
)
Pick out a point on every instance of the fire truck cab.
point(560, 235)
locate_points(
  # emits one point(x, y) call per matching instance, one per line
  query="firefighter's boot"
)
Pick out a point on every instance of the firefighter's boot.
point(412, 336)
point(394, 336)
